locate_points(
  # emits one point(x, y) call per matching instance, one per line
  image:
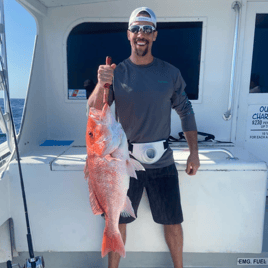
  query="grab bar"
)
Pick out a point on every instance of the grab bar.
point(227, 115)
point(212, 150)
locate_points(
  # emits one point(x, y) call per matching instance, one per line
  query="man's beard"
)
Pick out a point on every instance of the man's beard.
point(141, 53)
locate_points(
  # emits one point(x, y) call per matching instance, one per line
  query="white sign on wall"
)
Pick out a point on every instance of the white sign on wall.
point(252, 261)
point(257, 128)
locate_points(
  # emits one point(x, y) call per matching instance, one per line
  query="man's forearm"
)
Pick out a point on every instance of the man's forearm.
point(193, 162)
point(191, 137)
point(96, 98)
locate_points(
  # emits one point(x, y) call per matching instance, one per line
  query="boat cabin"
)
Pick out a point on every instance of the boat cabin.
point(220, 47)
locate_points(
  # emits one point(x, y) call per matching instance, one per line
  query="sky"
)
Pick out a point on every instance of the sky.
point(20, 29)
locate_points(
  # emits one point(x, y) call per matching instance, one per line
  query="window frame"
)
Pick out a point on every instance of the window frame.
point(254, 97)
point(159, 19)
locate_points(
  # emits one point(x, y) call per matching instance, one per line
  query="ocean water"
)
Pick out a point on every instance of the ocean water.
point(17, 109)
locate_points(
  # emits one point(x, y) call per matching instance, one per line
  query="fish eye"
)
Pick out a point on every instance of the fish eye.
point(90, 134)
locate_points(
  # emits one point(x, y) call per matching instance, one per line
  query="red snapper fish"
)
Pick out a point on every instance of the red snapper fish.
point(108, 169)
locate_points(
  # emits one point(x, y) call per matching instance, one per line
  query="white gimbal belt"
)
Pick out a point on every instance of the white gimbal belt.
point(148, 153)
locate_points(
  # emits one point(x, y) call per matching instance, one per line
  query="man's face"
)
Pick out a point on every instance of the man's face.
point(141, 42)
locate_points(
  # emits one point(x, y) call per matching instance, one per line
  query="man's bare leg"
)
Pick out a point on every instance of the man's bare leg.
point(114, 257)
point(174, 240)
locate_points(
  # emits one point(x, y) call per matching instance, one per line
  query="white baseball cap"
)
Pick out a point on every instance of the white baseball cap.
point(133, 16)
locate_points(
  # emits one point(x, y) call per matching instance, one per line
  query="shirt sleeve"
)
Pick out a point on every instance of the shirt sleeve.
point(182, 105)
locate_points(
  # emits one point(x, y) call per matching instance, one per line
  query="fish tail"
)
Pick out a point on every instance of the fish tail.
point(112, 242)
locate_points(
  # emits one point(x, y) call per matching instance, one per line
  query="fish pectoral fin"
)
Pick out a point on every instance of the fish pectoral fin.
point(137, 165)
point(131, 170)
point(109, 158)
point(133, 165)
point(128, 209)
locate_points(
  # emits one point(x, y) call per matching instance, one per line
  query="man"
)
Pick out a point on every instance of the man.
point(145, 89)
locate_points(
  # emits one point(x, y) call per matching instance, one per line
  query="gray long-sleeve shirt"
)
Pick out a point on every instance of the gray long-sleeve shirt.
point(144, 96)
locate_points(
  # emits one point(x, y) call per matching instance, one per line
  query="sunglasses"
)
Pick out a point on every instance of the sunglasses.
point(148, 29)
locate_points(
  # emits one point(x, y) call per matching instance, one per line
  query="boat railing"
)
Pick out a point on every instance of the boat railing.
point(214, 150)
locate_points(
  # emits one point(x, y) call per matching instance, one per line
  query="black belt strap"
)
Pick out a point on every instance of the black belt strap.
point(166, 144)
point(130, 145)
point(206, 135)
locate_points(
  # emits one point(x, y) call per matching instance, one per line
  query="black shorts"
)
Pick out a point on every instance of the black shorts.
point(162, 187)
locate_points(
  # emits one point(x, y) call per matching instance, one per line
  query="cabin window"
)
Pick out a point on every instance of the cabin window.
point(88, 44)
point(259, 77)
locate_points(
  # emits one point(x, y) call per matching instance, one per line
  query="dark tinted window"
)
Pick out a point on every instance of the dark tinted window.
point(259, 70)
point(88, 44)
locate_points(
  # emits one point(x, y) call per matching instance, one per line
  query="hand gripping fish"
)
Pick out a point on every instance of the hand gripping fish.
point(108, 169)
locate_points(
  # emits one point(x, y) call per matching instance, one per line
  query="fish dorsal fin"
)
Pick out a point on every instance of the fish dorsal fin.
point(128, 209)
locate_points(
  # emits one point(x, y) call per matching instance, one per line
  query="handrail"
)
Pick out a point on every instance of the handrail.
point(231, 156)
point(212, 150)
point(228, 114)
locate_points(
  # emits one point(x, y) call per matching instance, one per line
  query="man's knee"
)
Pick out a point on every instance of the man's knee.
point(173, 228)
